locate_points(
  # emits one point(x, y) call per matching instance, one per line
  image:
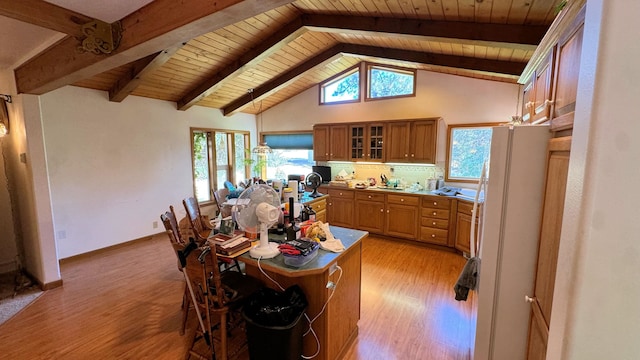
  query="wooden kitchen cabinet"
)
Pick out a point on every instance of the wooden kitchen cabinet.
point(537, 92)
point(330, 142)
point(340, 207)
point(402, 216)
point(411, 141)
point(366, 142)
point(463, 226)
point(434, 220)
point(370, 211)
point(566, 76)
point(319, 205)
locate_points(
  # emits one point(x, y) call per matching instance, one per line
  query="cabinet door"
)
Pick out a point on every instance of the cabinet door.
point(321, 143)
point(397, 148)
point(370, 216)
point(423, 141)
point(550, 229)
point(566, 80)
point(339, 143)
point(375, 142)
point(543, 86)
point(463, 231)
point(341, 211)
point(402, 221)
point(357, 142)
point(527, 100)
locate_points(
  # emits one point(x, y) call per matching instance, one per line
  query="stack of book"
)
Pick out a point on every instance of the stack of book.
point(229, 244)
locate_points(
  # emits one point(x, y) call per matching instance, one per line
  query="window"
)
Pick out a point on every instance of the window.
point(386, 82)
point(218, 156)
point(292, 154)
point(341, 89)
point(469, 147)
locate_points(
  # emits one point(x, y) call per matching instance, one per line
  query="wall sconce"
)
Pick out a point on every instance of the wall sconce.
point(4, 114)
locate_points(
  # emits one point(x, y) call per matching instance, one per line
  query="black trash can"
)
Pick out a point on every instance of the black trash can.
point(274, 324)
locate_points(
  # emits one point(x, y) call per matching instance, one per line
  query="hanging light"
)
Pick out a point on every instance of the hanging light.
point(263, 148)
point(4, 114)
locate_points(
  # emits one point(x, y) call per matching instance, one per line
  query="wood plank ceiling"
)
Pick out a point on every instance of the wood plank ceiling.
point(288, 49)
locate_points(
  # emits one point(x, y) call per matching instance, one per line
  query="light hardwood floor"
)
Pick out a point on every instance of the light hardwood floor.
point(123, 303)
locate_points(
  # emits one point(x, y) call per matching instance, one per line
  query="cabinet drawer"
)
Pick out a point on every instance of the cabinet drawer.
point(341, 194)
point(435, 202)
point(466, 207)
point(435, 213)
point(369, 195)
point(318, 205)
point(435, 223)
point(403, 199)
point(432, 235)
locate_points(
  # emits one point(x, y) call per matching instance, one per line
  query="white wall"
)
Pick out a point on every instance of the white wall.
point(457, 99)
point(598, 287)
point(115, 167)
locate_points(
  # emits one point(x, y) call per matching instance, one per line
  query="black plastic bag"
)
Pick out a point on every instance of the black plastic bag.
point(268, 307)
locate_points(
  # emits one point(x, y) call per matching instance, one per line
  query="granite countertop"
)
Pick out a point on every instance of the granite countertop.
point(348, 237)
point(467, 197)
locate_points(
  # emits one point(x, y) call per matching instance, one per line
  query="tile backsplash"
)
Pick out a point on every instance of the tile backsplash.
point(410, 173)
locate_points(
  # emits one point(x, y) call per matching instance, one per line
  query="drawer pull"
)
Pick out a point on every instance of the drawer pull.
point(434, 223)
point(369, 196)
point(435, 213)
point(340, 194)
point(381, 210)
point(401, 200)
point(433, 235)
point(435, 203)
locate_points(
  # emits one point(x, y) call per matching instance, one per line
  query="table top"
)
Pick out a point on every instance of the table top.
point(348, 237)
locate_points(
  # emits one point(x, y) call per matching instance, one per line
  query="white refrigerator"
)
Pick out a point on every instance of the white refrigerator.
point(509, 240)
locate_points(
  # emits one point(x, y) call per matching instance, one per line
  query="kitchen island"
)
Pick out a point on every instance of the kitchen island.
point(337, 326)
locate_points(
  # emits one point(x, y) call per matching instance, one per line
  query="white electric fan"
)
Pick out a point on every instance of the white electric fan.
point(262, 210)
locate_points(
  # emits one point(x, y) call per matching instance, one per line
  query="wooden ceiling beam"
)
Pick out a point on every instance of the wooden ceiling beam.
point(463, 62)
point(283, 80)
point(264, 49)
point(139, 70)
point(272, 86)
point(525, 37)
point(46, 15)
point(158, 25)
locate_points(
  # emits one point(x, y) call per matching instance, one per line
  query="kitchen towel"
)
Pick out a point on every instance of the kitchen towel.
point(467, 280)
point(331, 243)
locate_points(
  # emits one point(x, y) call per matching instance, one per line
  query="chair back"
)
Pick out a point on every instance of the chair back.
point(200, 229)
point(171, 226)
point(221, 197)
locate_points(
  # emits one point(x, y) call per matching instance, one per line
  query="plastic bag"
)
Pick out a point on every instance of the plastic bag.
point(268, 307)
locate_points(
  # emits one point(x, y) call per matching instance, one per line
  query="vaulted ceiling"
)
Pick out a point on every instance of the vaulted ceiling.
point(233, 54)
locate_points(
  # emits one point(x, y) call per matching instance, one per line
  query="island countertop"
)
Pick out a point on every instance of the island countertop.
point(321, 263)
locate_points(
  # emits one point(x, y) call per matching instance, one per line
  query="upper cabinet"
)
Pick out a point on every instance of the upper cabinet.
point(566, 84)
point(330, 142)
point(409, 141)
point(367, 142)
point(412, 141)
point(537, 93)
point(551, 77)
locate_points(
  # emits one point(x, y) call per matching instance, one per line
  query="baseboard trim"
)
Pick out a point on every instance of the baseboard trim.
point(50, 285)
point(108, 248)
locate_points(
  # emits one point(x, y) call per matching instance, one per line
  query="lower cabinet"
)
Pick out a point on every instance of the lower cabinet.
point(402, 216)
point(463, 226)
point(340, 207)
point(434, 220)
point(370, 212)
point(320, 207)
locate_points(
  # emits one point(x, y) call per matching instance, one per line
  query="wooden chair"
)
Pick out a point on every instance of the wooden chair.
point(171, 225)
point(201, 230)
point(218, 298)
point(200, 227)
point(221, 197)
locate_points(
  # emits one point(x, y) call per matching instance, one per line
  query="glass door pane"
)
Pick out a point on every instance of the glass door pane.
point(201, 166)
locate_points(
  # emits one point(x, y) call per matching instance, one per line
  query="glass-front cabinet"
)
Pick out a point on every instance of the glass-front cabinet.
point(367, 142)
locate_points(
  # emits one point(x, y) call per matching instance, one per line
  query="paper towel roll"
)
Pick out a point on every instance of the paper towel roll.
point(293, 184)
